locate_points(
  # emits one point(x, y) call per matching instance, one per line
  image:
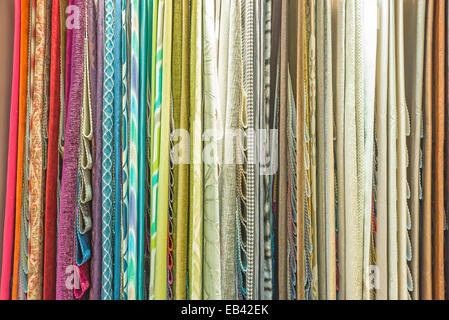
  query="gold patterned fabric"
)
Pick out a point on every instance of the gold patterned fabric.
point(36, 181)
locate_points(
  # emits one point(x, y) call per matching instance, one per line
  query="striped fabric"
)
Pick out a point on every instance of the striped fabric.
point(108, 153)
point(117, 256)
point(155, 144)
point(133, 150)
point(160, 288)
point(125, 152)
point(143, 68)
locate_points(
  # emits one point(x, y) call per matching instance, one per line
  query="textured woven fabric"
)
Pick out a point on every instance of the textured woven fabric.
point(182, 198)
point(339, 52)
point(325, 163)
point(283, 161)
point(175, 117)
point(229, 174)
point(249, 10)
point(310, 249)
point(242, 152)
point(108, 153)
point(212, 125)
point(300, 148)
point(414, 15)
point(117, 147)
point(312, 67)
point(292, 203)
point(266, 144)
point(83, 222)
point(71, 146)
point(356, 231)
point(392, 116)
point(352, 184)
point(259, 100)
point(369, 53)
point(35, 273)
point(382, 154)
point(403, 160)
point(196, 167)
point(24, 234)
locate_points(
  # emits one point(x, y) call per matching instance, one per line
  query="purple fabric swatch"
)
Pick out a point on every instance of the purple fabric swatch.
point(66, 275)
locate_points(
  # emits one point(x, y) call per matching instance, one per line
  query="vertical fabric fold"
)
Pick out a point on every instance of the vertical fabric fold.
point(117, 148)
point(133, 152)
point(65, 258)
point(439, 136)
point(196, 165)
point(160, 288)
point(49, 285)
point(426, 264)
point(24, 58)
point(212, 125)
point(97, 169)
point(36, 248)
point(8, 226)
point(414, 15)
point(182, 200)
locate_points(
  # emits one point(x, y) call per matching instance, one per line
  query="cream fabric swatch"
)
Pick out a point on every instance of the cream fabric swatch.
point(414, 18)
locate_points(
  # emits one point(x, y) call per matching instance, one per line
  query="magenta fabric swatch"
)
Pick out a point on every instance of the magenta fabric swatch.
point(66, 273)
point(83, 284)
point(10, 201)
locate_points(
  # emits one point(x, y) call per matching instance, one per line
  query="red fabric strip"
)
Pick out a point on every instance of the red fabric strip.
point(52, 166)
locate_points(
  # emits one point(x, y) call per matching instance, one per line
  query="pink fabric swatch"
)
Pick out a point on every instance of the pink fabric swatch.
point(8, 233)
